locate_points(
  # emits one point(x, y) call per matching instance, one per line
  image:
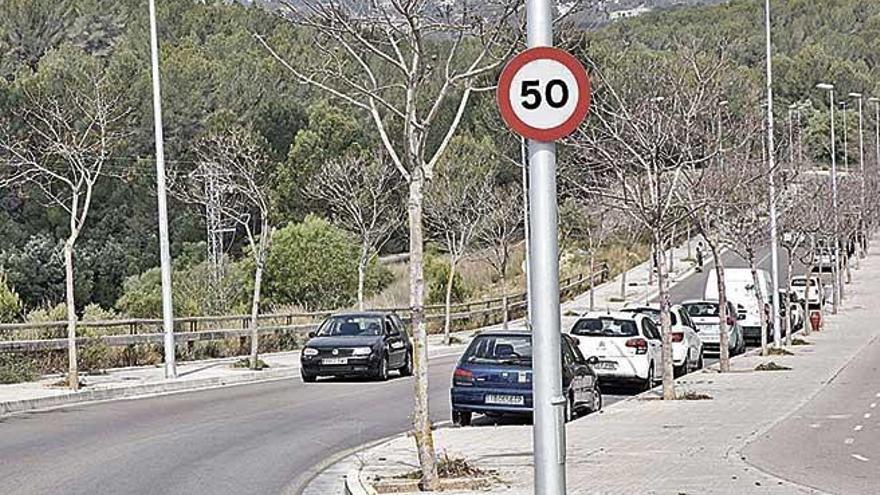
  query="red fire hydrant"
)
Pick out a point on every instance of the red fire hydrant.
point(816, 321)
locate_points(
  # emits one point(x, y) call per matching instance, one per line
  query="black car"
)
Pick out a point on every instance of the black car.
point(494, 377)
point(358, 345)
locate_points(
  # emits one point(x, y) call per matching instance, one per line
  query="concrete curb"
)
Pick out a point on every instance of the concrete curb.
point(354, 485)
point(142, 391)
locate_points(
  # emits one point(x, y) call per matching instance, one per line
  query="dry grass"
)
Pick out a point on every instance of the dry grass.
point(771, 366)
point(773, 351)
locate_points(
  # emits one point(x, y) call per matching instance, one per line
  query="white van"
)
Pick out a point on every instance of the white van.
point(741, 292)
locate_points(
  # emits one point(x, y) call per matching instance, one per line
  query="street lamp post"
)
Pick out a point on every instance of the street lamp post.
point(843, 105)
point(771, 169)
point(858, 97)
point(876, 102)
point(836, 282)
point(164, 244)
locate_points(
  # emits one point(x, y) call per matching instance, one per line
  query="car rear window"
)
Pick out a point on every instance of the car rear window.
point(500, 349)
point(800, 282)
point(701, 310)
point(653, 314)
point(605, 327)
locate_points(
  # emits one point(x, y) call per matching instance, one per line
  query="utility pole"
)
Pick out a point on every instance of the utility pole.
point(858, 97)
point(164, 244)
point(835, 284)
point(771, 166)
point(876, 102)
point(549, 401)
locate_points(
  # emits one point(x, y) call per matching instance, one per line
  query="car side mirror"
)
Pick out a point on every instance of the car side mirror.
point(313, 334)
point(593, 361)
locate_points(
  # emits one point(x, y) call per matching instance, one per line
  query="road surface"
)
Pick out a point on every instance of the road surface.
point(262, 438)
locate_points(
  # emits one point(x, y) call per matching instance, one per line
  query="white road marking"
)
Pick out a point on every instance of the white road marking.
point(858, 428)
point(839, 416)
point(867, 415)
point(849, 441)
point(873, 405)
point(815, 425)
point(860, 457)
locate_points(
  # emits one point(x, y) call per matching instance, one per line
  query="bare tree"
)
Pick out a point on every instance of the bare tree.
point(590, 222)
point(362, 196)
point(70, 128)
point(502, 230)
point(456, 207)
point(234, 163)
point(407, 64)
point(637, 150)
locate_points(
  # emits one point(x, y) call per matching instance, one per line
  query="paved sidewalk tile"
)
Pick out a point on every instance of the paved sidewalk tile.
point(648, 446)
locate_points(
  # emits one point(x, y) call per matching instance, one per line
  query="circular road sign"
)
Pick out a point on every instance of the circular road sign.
point(544, 94)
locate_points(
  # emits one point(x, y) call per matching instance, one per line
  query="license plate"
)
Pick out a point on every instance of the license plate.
point(606, 365)
point(505, 400)
point(336, 361)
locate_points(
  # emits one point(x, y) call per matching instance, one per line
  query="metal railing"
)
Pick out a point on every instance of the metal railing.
point(51, 336)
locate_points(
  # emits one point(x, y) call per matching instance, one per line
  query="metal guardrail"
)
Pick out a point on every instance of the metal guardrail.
point(50, 336)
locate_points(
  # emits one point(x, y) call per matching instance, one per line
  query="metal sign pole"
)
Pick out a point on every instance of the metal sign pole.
point(549, 403)
point(164, 250)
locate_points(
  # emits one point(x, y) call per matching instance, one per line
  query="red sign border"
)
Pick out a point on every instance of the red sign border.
point(584, 92)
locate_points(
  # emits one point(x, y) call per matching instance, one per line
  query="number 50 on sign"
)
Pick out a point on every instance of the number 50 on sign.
point(544, 94)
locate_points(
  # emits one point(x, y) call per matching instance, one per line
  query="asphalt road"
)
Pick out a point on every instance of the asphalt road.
point(262, 438)
point(833, 442)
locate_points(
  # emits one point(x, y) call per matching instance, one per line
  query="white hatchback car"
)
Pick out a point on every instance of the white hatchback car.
point(687, 346)
point(705, 315)
point(627, 345)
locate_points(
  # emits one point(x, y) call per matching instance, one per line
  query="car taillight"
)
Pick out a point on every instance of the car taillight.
point(463, 376)
point(677, 336)
point(640, 345)
point(730, 321)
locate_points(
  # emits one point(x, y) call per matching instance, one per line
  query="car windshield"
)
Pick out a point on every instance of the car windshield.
point(702, 310)
point(351, 326)
point(605, 327)
point(500, 349)
point(653, 314)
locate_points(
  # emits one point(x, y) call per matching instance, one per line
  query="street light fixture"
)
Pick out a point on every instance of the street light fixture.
point(836, 282)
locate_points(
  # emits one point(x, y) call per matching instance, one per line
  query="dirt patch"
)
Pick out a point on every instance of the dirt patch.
point(771, 366)
point(456, 474)
point(800, 342)
point(773, 351)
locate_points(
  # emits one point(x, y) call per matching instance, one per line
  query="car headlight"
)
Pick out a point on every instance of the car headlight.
point(308, 351)
point(361, 351)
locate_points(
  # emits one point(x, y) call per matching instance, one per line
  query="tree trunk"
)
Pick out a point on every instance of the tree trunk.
point(788, 313)
point(422, 433)
point(362, 275)
point(255, 313)
point(808, 276)
point(592, 281)
point(759, 297)
point(72, 368)
point(665, 324)
point(447, 323)
point(623, 285)
point(652, 265)
point(505, 302)
point(723, 336)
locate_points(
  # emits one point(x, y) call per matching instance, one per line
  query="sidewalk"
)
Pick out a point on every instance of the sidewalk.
point(144, 381)
point(644, 445)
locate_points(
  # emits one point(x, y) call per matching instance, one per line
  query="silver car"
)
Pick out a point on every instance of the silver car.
point(704, 314)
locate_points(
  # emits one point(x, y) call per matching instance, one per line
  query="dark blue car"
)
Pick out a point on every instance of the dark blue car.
point(494, 377)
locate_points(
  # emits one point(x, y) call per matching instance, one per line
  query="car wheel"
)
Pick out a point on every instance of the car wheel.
point(679, 371)
point(382, 371)
point(649, 382)
point(569, 410)
point(461, 418)
point(596, 405)
point(407, 369)
point(308, 378)
point(700, 363)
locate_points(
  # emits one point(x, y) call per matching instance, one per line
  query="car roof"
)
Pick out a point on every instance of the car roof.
point(362, 313)
point(510, 332)
point(619, 315)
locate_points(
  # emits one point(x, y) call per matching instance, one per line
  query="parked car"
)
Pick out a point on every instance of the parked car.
point(741, 288)
point(687, 346)
point(812, 290)
point(494, 377)
point(705, 315)
point(825, 259)
point(793, 308)
point(367, 344)
point(627, 346)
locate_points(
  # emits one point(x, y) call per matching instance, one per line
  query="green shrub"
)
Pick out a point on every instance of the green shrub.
point(436, 278)
point(16, 368)
point(314, 265)
point(10, 303)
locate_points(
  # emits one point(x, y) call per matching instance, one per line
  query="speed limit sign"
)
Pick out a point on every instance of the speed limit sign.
point(544, 94)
